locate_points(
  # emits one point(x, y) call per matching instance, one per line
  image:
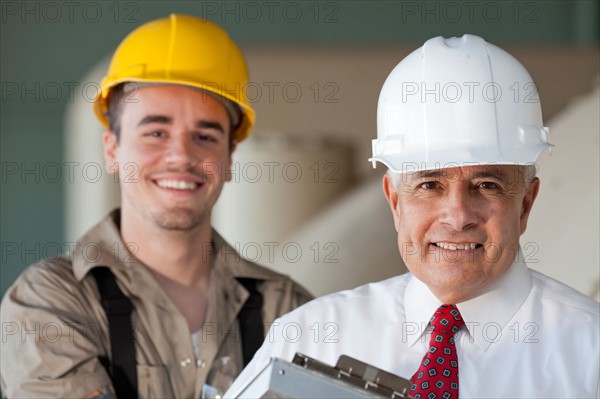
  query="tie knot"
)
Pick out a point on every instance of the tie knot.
point(446, 320)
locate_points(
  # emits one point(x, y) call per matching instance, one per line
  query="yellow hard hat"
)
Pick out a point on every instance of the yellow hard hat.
point(181, 49)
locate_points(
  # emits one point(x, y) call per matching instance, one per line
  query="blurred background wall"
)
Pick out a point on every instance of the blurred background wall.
point(304, 200)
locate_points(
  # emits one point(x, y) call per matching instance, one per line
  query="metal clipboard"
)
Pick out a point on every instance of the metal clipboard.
point(305, 377)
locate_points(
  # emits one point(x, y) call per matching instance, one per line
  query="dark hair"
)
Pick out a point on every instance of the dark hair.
point(113, 114)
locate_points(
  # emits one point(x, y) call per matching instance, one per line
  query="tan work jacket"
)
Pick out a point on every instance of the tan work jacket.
point(54, 328)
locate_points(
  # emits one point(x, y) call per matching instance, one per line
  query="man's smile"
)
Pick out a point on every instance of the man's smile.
point(178, 184)
point(454, 246)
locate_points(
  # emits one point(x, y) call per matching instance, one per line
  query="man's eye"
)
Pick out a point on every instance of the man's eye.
point(155, 133)
point(488, 185)
point(429, 185)
point(205, 137)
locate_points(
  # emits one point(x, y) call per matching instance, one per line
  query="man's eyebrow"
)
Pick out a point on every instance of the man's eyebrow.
point(492, 173)
point(200, 124)
point(204, 124)
point(427, 174)
point(488, 173)
point(155, 119)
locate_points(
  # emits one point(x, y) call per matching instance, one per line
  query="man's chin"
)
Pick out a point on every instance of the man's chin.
point(179, 220)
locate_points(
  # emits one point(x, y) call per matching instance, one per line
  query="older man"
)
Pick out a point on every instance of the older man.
point(459, 127)
point(152, 302)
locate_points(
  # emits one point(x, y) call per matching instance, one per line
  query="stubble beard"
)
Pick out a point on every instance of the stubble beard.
point(175, 217)
point(179, 219)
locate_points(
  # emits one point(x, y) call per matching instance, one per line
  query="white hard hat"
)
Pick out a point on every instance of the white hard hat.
point(458, 101)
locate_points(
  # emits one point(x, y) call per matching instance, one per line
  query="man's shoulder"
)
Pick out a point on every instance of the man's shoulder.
point(560, 295)
point(50, 271)
point(368, 300)
point(281, 283)
point(227, 258)
point(43, 280)
point(254, 269)
point(379, 290)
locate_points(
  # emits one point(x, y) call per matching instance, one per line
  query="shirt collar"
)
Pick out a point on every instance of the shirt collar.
point(103, 245)
point(485, 315)
point(420, 304)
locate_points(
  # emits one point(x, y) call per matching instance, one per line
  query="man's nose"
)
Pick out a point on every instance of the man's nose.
point(180, 152)
point(460, 209)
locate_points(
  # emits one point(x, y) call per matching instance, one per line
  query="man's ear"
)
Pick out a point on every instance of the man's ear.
point(109, 139)
point(391, 194)
point(528, 200)
point(232, 146)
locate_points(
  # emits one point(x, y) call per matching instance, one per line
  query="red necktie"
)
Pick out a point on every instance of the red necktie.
point(437, 377)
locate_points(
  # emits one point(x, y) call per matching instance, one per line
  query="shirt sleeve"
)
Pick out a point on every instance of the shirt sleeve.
point(51, 338)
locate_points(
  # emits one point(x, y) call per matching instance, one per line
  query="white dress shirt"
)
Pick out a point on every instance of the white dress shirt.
point(527, 336)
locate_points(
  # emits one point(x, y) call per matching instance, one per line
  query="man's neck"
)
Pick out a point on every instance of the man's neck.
point(182, 257)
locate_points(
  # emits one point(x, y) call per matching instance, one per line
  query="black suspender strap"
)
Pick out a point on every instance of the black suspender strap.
point(118, 309)
point(250, 320)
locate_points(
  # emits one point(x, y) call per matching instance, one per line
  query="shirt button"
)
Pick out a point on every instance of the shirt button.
point(200, 363)
point(186, 362)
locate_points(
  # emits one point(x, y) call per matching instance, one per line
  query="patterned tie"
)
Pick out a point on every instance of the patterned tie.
point(437, 377)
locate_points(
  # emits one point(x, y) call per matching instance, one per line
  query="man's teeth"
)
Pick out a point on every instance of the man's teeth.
point(455, 247)
point(177, 184)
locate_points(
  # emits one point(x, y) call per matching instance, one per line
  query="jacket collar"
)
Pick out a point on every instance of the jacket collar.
point(102, 245)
